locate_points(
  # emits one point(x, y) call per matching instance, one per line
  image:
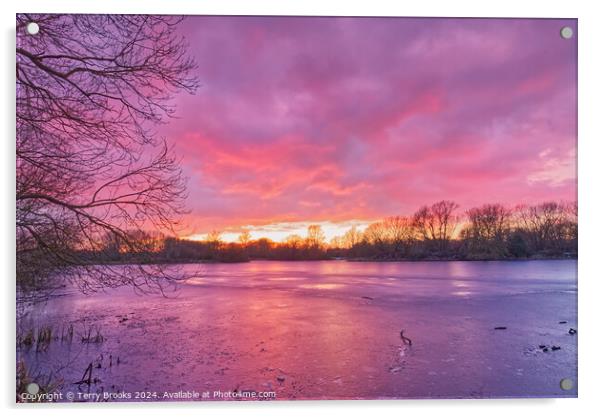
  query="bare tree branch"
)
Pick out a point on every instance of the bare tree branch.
point(91, 90)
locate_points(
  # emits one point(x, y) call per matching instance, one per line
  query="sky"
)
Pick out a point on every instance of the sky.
point(344, 121)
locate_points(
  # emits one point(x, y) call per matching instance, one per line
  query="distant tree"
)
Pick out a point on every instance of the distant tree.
point(294, 241)
point(315, 236)
point(90, 91)
point(214, 236)
point(572, 225)
point(445, 219)
point(231, 252)
point(400, 233)
point(214, 240)
point(261, 248)
point(244, 238)
point(487, 229)
point(436, 222)
point(424, 223)
point(292, 248)
point(336, 242)
point(376, 235)
point(352, 237)
point(147, 241)
point(548, 226)
point(488, 222)
point(517, 245)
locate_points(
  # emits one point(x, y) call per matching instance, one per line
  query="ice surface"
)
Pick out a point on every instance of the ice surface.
point(319, 330)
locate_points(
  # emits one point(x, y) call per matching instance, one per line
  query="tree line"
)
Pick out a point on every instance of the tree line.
point(436, 232)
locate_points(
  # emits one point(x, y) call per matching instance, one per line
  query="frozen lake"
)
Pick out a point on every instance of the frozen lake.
point(327, 329)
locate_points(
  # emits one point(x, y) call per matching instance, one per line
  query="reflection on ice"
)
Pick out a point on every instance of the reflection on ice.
point(330, 330)
point(322, 286)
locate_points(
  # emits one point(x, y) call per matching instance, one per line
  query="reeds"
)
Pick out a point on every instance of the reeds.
point(92, 336)
point(42, 337)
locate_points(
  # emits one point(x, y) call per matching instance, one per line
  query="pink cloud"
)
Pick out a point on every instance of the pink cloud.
point(336, 119)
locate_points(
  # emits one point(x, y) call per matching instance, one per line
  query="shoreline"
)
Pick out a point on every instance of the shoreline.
point(359, 260)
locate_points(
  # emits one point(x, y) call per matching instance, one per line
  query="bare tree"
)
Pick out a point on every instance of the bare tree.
point(488, 222)
point(423, 223)
point(91, 90)
point(572, 224)
point(293, 246)
point(315, 236)
point(244, 238)
point(548, 225)
point(487, 230)
point(294, 241)
point(376, 235)
point(352, 237)
point(437, 222)
point(336, 242)
point(214, 236)
point(214, 240)
point(445, 219)
point(400, 232)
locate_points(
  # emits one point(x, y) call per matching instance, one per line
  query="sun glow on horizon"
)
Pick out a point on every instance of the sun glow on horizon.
point(278, 232)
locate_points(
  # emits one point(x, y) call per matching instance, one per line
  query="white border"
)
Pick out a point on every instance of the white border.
point(590, 202)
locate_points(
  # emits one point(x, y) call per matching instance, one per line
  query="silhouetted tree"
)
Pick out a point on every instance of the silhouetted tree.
point(400, 232)
point(487, 230)
point(90, 91)
point(260, 248)
point(214, 241)
point(214, 236)
point(548, 226)
point(517, 245)
point(352, 237)
point(315, 236)
point(375, 235)
point(436, 223)
point(244, 238)
point(231, 252)
point(336, 242)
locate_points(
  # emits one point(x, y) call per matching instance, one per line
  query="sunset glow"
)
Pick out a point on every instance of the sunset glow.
point(332, 121)
point(278, 232)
